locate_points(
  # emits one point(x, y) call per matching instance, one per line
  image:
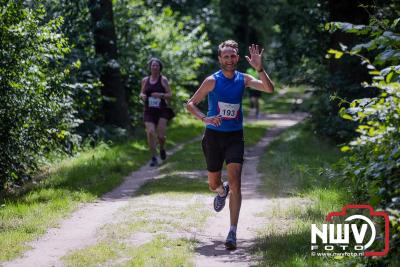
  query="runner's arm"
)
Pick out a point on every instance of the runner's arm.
point(255, 60)
point(142, 95)
point(264, 85)
point(207, 86)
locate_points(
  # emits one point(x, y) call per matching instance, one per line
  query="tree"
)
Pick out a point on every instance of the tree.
point(36, 113)
point(84, 80)
point(115, 107)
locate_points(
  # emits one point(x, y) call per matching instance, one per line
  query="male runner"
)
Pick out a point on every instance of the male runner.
point(223, 137)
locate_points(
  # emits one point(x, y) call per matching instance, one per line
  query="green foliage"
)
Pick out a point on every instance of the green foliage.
point(44, 79)
point(83, 80)
point(373, 166)
point(36, 113)
point(182, 45)
point(328, 100)
point(295, 40)
point(384, 41)
point(341, 82)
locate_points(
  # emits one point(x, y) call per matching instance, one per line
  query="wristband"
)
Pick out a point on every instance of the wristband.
point(202, 118)
point(262, 69)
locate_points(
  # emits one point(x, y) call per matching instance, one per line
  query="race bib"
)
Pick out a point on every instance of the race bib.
point(228, 110)
point(154, 102)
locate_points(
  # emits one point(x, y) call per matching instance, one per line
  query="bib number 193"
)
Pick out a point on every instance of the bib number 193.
point(228, 110)
point(229, 113)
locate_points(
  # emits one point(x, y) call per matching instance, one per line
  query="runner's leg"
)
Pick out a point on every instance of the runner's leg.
point(235, 198)
point(214, 181)
point(161, 131)
point(151, 137)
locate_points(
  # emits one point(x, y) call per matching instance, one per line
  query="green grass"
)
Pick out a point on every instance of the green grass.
point(295, 161)
point(254, 131)
point(75, 180)
point(161, 251)
point(189, 158)
point(183, 127)
point(285, 99)
point(294, 167)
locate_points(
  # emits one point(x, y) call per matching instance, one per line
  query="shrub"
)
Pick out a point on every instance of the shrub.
point(36, 112)
point(373, 167)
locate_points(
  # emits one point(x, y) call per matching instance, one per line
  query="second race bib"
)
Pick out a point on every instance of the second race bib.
point(154, 102)
point(228, 110)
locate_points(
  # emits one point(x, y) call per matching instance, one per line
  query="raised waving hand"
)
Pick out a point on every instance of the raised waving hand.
point(255, 59)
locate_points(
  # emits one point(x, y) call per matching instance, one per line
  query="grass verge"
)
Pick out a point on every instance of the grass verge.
point(161, 251)
point(295, 177)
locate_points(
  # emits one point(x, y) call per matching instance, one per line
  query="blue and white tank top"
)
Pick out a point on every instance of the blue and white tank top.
point(226, 100)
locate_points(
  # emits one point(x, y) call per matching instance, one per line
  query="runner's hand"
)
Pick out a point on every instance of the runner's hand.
point(158, 95)
point(213, 120)
point(255, 59)
point(143, 97)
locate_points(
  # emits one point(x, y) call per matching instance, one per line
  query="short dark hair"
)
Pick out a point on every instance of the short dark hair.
point(228, 43)
point(156, 60)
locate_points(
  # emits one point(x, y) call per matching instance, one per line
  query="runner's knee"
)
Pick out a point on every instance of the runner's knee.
point(235, 187)
point(151, 132)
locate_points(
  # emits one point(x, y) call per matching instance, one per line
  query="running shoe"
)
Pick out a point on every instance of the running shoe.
point(153, 162)
point(219, 202)
point(230, 242)
point(163, 154)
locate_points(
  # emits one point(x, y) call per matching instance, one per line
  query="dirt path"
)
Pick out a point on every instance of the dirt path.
point(81, 228)
point(211, 250)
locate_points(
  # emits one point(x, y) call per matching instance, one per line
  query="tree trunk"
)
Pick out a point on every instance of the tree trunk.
point(115, 106)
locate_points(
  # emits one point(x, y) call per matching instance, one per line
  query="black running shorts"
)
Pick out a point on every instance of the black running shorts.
point(154, 116)
point(222, 146)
